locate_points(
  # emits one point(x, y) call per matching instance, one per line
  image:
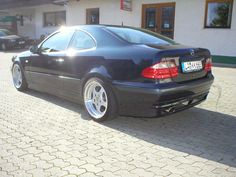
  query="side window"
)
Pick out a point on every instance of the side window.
point(57, 42)
point(82, 40)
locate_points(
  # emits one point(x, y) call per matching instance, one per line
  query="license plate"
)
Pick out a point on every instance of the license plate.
point(21, 42)
point(191, 66)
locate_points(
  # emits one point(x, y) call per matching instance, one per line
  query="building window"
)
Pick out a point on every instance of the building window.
point(54, 18)
point(92, 16)
point(218, 13)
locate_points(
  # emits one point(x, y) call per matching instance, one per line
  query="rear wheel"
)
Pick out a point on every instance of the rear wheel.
point(99, 100)
point(18, 78)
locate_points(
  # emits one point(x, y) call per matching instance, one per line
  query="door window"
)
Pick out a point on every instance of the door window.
point(82, 40)
point(167, 17)
point(58, 42)
point(150, 18)
point(92, 16)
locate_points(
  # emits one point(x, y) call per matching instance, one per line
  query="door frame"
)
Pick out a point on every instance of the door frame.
point(157, 5)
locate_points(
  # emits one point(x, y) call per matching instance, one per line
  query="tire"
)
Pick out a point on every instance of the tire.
point(3, 47)
point(18, 77)
point(99, 100)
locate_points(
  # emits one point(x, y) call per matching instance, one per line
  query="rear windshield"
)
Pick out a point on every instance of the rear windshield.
point(140, 36)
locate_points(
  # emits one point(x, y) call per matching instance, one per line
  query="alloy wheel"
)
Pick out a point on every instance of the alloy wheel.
point(95, 99)
point(17, 76)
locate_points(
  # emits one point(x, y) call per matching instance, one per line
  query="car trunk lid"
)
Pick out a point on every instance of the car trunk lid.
point(189, 61)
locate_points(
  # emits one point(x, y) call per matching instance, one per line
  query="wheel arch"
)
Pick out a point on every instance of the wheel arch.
point(15, 60)
point(101, 73)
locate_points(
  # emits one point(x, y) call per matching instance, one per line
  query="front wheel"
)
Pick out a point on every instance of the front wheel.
point(99, 100)
point(18, 78)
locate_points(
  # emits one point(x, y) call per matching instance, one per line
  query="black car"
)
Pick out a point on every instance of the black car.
point(116, 70)
point(10, 41)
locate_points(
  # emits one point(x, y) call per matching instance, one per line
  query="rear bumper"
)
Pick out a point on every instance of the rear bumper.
point(152, 100)
point(16, 44)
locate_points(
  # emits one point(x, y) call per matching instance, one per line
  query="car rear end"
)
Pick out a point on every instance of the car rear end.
point(184, 77)
point(17, 42)
point(176, 80)
point(14, 41)
point(166, 77)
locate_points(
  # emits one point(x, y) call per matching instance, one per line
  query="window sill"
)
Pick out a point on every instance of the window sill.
point(217, 28)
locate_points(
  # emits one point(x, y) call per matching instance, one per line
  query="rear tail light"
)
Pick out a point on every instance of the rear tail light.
point(161, 70)
point(208, 64)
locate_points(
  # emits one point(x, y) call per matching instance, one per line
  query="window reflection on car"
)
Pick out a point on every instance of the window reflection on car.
point(82, 40)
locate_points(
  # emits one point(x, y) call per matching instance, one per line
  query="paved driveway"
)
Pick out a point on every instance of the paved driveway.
point(41, 135)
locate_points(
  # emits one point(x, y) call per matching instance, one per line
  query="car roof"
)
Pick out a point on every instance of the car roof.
point(96, 26)
point(96, 31)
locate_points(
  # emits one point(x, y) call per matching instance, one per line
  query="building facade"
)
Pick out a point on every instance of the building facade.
point(31, 20)
point(201, 23)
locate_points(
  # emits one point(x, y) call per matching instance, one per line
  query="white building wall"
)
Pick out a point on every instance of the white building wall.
point(110, 12)
point(33, 20)
point(39, 11)
point(189, 22)
point(189, 29)
point(28, 28)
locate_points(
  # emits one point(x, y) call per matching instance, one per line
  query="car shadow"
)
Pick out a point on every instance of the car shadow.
point(203, 133)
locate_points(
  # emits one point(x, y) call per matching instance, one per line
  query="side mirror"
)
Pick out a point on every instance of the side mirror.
point(34, 49)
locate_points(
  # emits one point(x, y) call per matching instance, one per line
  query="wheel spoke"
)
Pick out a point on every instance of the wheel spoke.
point(101, 91)
point(98, 107)
point(18, 75)
point(94, 93)
point(103, 103)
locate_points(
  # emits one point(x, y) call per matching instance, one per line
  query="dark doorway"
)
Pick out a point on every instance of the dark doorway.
point(159, 18)
point(92, 16)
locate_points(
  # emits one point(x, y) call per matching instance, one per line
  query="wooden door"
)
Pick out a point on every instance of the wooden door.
point(159, 18)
